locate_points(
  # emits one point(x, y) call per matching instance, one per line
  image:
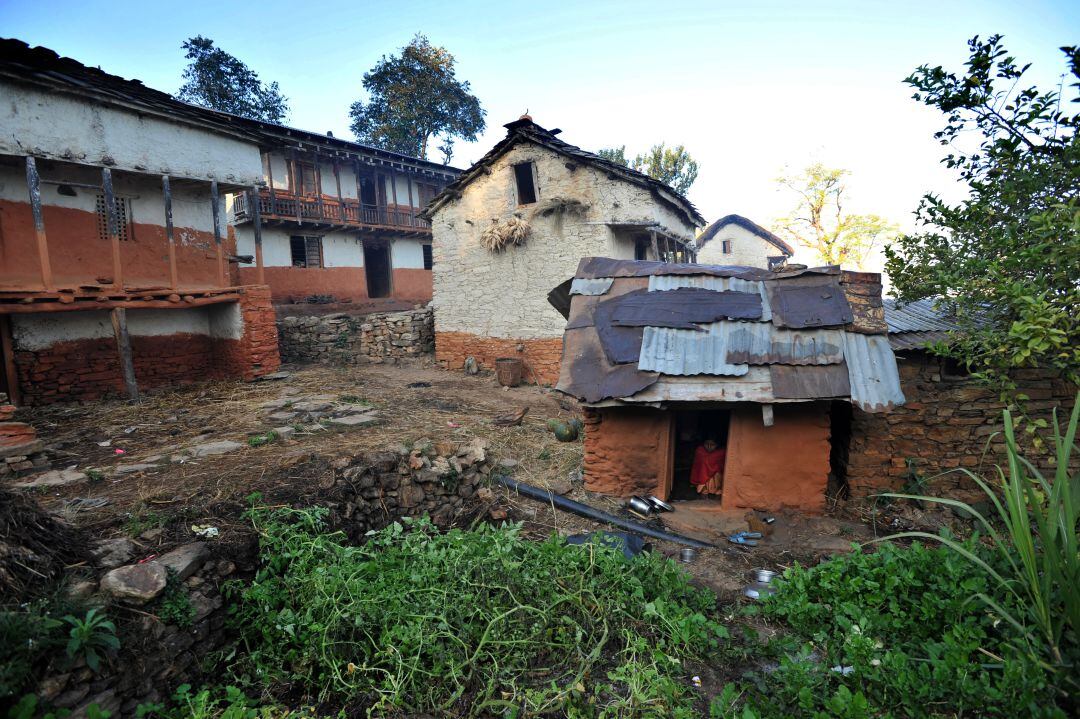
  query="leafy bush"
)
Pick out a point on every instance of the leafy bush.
point(174, 606)
point(894, 633)
point(1033, 571)
point(227, 703)
point(29, 638)
point(484, 622)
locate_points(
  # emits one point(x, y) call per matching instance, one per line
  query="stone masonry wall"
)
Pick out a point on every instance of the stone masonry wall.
point(368, 491)
point(346, 339)
point(948, 422)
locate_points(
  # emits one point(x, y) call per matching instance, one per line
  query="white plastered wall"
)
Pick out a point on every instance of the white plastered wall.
point(407, 254)
point(747, 249)
point(64, 127)
point(504, 294)
point(33, 332)
point(340, 249)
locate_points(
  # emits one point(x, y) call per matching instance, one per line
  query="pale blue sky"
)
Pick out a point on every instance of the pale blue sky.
point(749, 87)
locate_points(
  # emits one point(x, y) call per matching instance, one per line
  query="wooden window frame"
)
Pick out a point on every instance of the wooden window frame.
point(124, 224)
point(727, 247)
point(532, 180)
point(429, 257)
point(309, 243)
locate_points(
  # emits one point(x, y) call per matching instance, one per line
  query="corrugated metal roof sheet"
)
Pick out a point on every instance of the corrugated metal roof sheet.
point(688, 352)
point(663, 283)
point(761, 343)
point(917, 316)
point(915, 340)
point(585, 286)
point(872, 373)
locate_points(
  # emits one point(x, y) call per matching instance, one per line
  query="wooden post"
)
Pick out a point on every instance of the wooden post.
point(33, 184)
point(123, 347)
point(767, 415)
point(113, 227)
point(359, 192)
point(412, 207)
point(270, 183)
point(166, 190)
point(215, 202)
point(340, 197)
point(393, 193)
point(318, 187)
point(655, 245)
point(298, 191)
point(256, 224)
point(7, 347)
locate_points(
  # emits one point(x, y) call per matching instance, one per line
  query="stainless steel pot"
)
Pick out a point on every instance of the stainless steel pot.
point(641, 506)
point(687, 555)
point(762, 586)
point(660, 504)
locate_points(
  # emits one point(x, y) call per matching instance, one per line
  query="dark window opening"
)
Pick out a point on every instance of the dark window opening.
point(726, 247)
point(305, 178)
point(840, 418)
point(306, 251)
point(426, 193)
point(367, 190)
point(429, 262)
point(692, 429)
point(526, 189)
point(641, 250)
point(122, 221)
point(952, 368)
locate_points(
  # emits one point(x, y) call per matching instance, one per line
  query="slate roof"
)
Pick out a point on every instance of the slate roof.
point(750, 226)
point(44, 68)
point(525, 130)
point(655, 333)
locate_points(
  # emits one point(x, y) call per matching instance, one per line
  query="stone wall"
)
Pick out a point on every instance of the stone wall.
point(342, 338)
point(366, 492)
point(948, 422)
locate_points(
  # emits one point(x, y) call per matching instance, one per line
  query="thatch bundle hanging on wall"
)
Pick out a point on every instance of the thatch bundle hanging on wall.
point(512, 232)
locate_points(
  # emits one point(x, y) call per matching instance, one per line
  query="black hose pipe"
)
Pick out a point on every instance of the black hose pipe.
point(586, 511)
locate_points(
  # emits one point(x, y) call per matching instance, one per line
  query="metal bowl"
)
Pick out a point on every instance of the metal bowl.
point(764, 575)
point(661, 504)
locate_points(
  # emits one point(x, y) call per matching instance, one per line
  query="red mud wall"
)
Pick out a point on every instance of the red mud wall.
point(628, 451)
point(79, 255)
point(87, 369)
point(412, 284)
point(783, 466)
point(948, 422)
point(293, 284)
point(541, 356)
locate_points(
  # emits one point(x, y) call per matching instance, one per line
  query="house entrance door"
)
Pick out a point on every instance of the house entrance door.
point(377, 268)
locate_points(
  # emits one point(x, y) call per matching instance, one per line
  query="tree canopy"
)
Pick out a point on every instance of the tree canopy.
point(1006, 260)
point(218, 80)
point(413, 98)
point(671, 165)
point(820, 222)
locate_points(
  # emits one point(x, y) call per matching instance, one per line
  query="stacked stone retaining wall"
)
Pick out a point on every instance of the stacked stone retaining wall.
point(342, 338)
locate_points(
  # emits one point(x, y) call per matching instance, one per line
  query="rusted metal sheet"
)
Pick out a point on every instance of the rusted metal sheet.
point(559, 298)
point(808, 301)
point(598, 286)
point(587, 375)
point(809, 381)
point(621, 345)
point(688, 352)
point(874, 379)
point(663, 283)
point(683, 308)
point(761, 343)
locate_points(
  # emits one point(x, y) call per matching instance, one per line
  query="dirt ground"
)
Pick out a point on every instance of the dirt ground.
point(138, 477)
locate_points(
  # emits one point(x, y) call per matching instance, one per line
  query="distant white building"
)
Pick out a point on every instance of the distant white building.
point(735, 240)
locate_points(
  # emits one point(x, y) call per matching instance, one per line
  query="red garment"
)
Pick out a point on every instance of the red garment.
point(706, 465)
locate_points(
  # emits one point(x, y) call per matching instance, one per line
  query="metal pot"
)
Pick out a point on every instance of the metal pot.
point(762, 586)
point(660, 504)
point(641, 506)
point(687, 555)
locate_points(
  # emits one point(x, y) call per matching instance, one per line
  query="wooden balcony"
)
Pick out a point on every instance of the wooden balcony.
point(330, 213)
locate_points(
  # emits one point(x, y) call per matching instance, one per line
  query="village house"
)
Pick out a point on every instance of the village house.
point(516, 224)
point(736, 240)
point(667, 356)
point(115, 260)
point(339, 220)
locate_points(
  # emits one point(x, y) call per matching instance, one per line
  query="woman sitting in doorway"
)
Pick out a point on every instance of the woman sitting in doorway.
point(707, 473)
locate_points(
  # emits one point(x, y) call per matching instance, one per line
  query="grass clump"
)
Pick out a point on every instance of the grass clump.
point(474, 623)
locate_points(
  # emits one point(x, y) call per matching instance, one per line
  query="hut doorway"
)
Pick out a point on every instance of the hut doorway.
point(692, 429)
point(377, 268)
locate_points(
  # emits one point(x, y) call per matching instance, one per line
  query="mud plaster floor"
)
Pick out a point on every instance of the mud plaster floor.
point(443, 406)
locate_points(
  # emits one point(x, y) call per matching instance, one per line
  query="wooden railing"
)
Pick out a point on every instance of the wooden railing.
point(330, 211)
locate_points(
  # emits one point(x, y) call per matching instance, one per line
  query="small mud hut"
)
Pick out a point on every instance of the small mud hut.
point(767, 363)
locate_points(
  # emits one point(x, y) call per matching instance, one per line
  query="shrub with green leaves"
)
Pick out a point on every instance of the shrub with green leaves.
point(89, 635)
point(480, 622)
